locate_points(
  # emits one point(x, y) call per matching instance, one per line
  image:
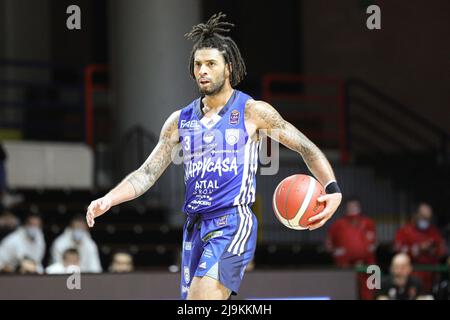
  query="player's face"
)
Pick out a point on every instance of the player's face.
point(210, 71)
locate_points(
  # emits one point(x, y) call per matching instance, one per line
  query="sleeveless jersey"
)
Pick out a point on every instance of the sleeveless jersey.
point(220, 160)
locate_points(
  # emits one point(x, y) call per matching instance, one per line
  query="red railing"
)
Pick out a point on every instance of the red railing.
point(337, 100)
point(90, 88)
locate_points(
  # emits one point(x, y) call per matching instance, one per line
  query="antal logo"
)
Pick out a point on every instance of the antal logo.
point(234, 117)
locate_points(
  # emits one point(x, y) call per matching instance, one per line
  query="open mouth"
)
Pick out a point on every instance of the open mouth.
point(204, 81)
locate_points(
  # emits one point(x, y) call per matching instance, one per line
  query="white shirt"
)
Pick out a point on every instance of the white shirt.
point(18, 245)
point(87, 249)
point(59, 268)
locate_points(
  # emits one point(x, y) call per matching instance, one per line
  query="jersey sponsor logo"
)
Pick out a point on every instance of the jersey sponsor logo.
point(208, 137)
point(232, 136)
point(187, 275)
point(207, 253)
point(212, 235)
point(200, 203)
point(188, 246)
point(234, 117)
point(190, 124)
point(222, 221)
point(206, 184)
point(194, 169)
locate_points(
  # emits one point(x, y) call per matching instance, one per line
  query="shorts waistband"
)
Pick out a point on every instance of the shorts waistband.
point(214, 214)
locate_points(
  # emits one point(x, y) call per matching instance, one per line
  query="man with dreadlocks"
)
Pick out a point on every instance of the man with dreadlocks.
point(219, 134)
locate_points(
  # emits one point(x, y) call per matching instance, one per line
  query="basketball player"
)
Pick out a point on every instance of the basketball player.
point(219, 135)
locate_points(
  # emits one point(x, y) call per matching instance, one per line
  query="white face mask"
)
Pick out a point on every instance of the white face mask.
point(423, 224)
point(78, 235)
point(32, 232)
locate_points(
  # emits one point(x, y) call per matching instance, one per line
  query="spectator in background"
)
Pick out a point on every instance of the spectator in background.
point(28, 266)
point(121, 262)
point(400, 285)
point(77, 236)
point(27, 241)
point(8, 223)
point(70, 263)
point(421, 240)
point(351, 240)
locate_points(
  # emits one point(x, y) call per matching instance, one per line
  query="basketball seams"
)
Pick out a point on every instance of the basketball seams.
point(317, 193)
point(305, 203)
point(274, 205)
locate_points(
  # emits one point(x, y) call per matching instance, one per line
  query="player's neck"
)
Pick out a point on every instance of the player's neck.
point(218, 100)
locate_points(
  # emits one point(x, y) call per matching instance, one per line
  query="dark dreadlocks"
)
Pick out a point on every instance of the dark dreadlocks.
point(208, 35)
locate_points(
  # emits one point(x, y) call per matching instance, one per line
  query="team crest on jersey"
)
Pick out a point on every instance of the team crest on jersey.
point(231, 136)
point(234, 117)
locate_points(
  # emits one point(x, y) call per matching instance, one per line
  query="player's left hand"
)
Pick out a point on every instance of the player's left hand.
point(332, 202)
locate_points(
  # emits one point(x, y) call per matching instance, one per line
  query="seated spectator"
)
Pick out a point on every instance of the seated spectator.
point(122, 262)
point(26, 241)
point(28, 266)
point(400, 285)
point(422, 241)
point(77, 236)
point(8, 223)
point(70, 263)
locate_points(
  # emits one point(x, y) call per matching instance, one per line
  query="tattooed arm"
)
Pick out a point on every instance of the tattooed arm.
point(142, 179)
point(265, 117)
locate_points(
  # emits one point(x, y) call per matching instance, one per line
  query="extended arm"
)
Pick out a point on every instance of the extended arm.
point(142, 179)
point(267, 118)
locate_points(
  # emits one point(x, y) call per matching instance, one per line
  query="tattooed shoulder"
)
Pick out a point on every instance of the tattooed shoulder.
point(264, 115)
point(170, 128)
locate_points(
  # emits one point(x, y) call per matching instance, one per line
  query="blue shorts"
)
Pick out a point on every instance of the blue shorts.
point(218, 245)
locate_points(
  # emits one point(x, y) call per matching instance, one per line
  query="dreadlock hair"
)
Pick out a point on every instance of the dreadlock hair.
point(210, 35)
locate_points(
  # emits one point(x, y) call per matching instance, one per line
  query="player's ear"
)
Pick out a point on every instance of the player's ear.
point(228, 69)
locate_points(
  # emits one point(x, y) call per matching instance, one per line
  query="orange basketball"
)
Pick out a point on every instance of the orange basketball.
point(295, 200)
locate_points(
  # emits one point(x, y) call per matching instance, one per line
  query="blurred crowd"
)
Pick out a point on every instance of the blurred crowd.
point(23, 248)
point(352, 242)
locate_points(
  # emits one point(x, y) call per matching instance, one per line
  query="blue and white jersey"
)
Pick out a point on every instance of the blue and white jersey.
point(220, 160)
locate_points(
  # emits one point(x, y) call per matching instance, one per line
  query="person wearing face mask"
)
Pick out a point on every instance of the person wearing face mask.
point(27, 241)
point(351, 241)
point(422, 241)
point(77, 236)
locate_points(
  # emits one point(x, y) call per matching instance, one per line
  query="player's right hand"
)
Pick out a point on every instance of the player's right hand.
point(97, 208)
